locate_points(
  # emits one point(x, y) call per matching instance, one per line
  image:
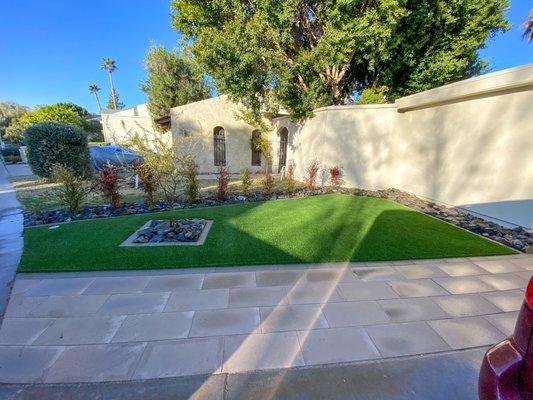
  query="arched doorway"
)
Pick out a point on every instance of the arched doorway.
point(282, 150)
point(219, 146)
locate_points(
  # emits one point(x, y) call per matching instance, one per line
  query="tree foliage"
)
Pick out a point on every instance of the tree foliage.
point(303, 54)
point(528, 27)
point(10, 112)
point(174, 79)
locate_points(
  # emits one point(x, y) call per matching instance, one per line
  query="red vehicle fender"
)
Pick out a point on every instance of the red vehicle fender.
point(500, 373)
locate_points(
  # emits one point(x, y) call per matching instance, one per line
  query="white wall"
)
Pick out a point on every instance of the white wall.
point(468, 144)
point(198, 120)
point(120, 126)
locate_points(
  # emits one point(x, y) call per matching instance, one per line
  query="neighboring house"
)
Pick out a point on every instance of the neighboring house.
point(467, 144)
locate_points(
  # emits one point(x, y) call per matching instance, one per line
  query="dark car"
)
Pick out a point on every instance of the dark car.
point(507, 369)
point(114, 155)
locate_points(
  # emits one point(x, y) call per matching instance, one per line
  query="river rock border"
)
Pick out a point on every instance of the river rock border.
point(132, 240)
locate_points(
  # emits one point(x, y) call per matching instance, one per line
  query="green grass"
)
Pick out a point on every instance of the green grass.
point(315, 229)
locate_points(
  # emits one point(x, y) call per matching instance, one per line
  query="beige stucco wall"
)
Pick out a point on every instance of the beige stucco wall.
point(120, 126)
point(467, 144)
point(198, 120)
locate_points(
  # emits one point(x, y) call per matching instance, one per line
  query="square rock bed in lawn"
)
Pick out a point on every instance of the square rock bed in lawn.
point(182, 232)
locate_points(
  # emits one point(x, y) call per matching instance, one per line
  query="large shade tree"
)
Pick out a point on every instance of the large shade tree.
point(302, 54)
point(174, 79)
point(10, 112)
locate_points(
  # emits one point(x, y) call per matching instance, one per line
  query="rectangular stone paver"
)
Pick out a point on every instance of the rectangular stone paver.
point(84, 330)
point(417, 288)
point(415, 309)
point(169, 283)
point(509, 300)
point(180, 358)
point(229, 280)
point(463, 284)
point(278, 278)
point(198, 300)
point(23, 285)
point(59, 287)
point(503, 281)
point(330, 276)
point(95, 363)
point(257, 296)
point(261, 351)
point(54, 306)
point(117, 285)
point(367, 291)
point(22, 331)
point(420, 271)
point(354, 314)
point(505, 322)
point(293, 317)
point(377, 274)
point(461, 333)
point(313, 293)
point(462, 269)
point(406, 339)
point(499, 266)
point(160, 326)
point(465, 305)
point(26, 364)
point(138, 303)
point(324, 346)
point(231, 321)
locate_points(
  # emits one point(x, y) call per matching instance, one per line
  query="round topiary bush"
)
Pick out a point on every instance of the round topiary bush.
point(52, 143)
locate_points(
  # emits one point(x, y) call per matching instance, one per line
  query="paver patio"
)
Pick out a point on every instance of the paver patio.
point(112, 326)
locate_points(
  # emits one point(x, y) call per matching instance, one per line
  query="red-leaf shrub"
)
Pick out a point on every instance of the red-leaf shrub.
point(311, 174)
point(108, 185)
point(335, 174)
point(268, 183)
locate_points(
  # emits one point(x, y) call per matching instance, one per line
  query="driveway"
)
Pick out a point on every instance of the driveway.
point(10, 237)
point(119, 326)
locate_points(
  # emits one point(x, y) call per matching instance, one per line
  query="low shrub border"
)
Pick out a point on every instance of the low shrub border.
point(516, 238)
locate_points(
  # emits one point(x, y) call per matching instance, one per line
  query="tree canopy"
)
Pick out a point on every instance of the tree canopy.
point(303, 54)
point(66, 113)
point(9, 114)
point(174, 79)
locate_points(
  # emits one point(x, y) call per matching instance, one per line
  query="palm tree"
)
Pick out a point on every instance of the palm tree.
point(110, 66)
point(528, 33)
point(94, 89)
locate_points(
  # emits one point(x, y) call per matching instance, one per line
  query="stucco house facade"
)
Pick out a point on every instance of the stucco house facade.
point(468, 144)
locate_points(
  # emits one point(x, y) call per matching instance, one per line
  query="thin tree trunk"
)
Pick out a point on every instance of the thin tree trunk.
point(113, 95)
point(98, 102)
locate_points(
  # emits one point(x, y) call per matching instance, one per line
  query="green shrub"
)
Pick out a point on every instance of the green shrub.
point(246, 182)
point(72, 190)
point(11, 151)
point(52, 143)
point(192, 187)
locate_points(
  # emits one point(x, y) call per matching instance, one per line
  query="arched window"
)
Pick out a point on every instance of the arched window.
point(219, 146)
point(282, 150)
point(256, 154)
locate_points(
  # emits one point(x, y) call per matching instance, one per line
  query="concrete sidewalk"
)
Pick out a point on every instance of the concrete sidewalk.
point(441, 376)
point(135, 325)
point(11, 241)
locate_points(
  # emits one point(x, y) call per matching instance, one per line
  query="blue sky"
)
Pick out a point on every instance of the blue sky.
point(51, 50)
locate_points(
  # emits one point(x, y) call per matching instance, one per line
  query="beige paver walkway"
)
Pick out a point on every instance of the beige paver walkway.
point(106, 326)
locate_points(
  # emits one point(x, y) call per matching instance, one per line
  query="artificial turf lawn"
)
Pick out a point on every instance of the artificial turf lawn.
point(315, 229)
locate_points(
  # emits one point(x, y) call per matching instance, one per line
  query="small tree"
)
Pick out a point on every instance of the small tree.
point(192, 187)
point(72, 190)
point(148, 180)
point(311, 174)
point(267, 183)
point(222, 182)
point(51, 143)
point(108, 185)
point(246, 181)
point(290, 182)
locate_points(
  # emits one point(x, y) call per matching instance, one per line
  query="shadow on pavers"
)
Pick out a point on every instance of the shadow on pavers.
point(443, 376)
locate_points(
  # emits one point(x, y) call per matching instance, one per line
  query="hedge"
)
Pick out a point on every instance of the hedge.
point(52, 143)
